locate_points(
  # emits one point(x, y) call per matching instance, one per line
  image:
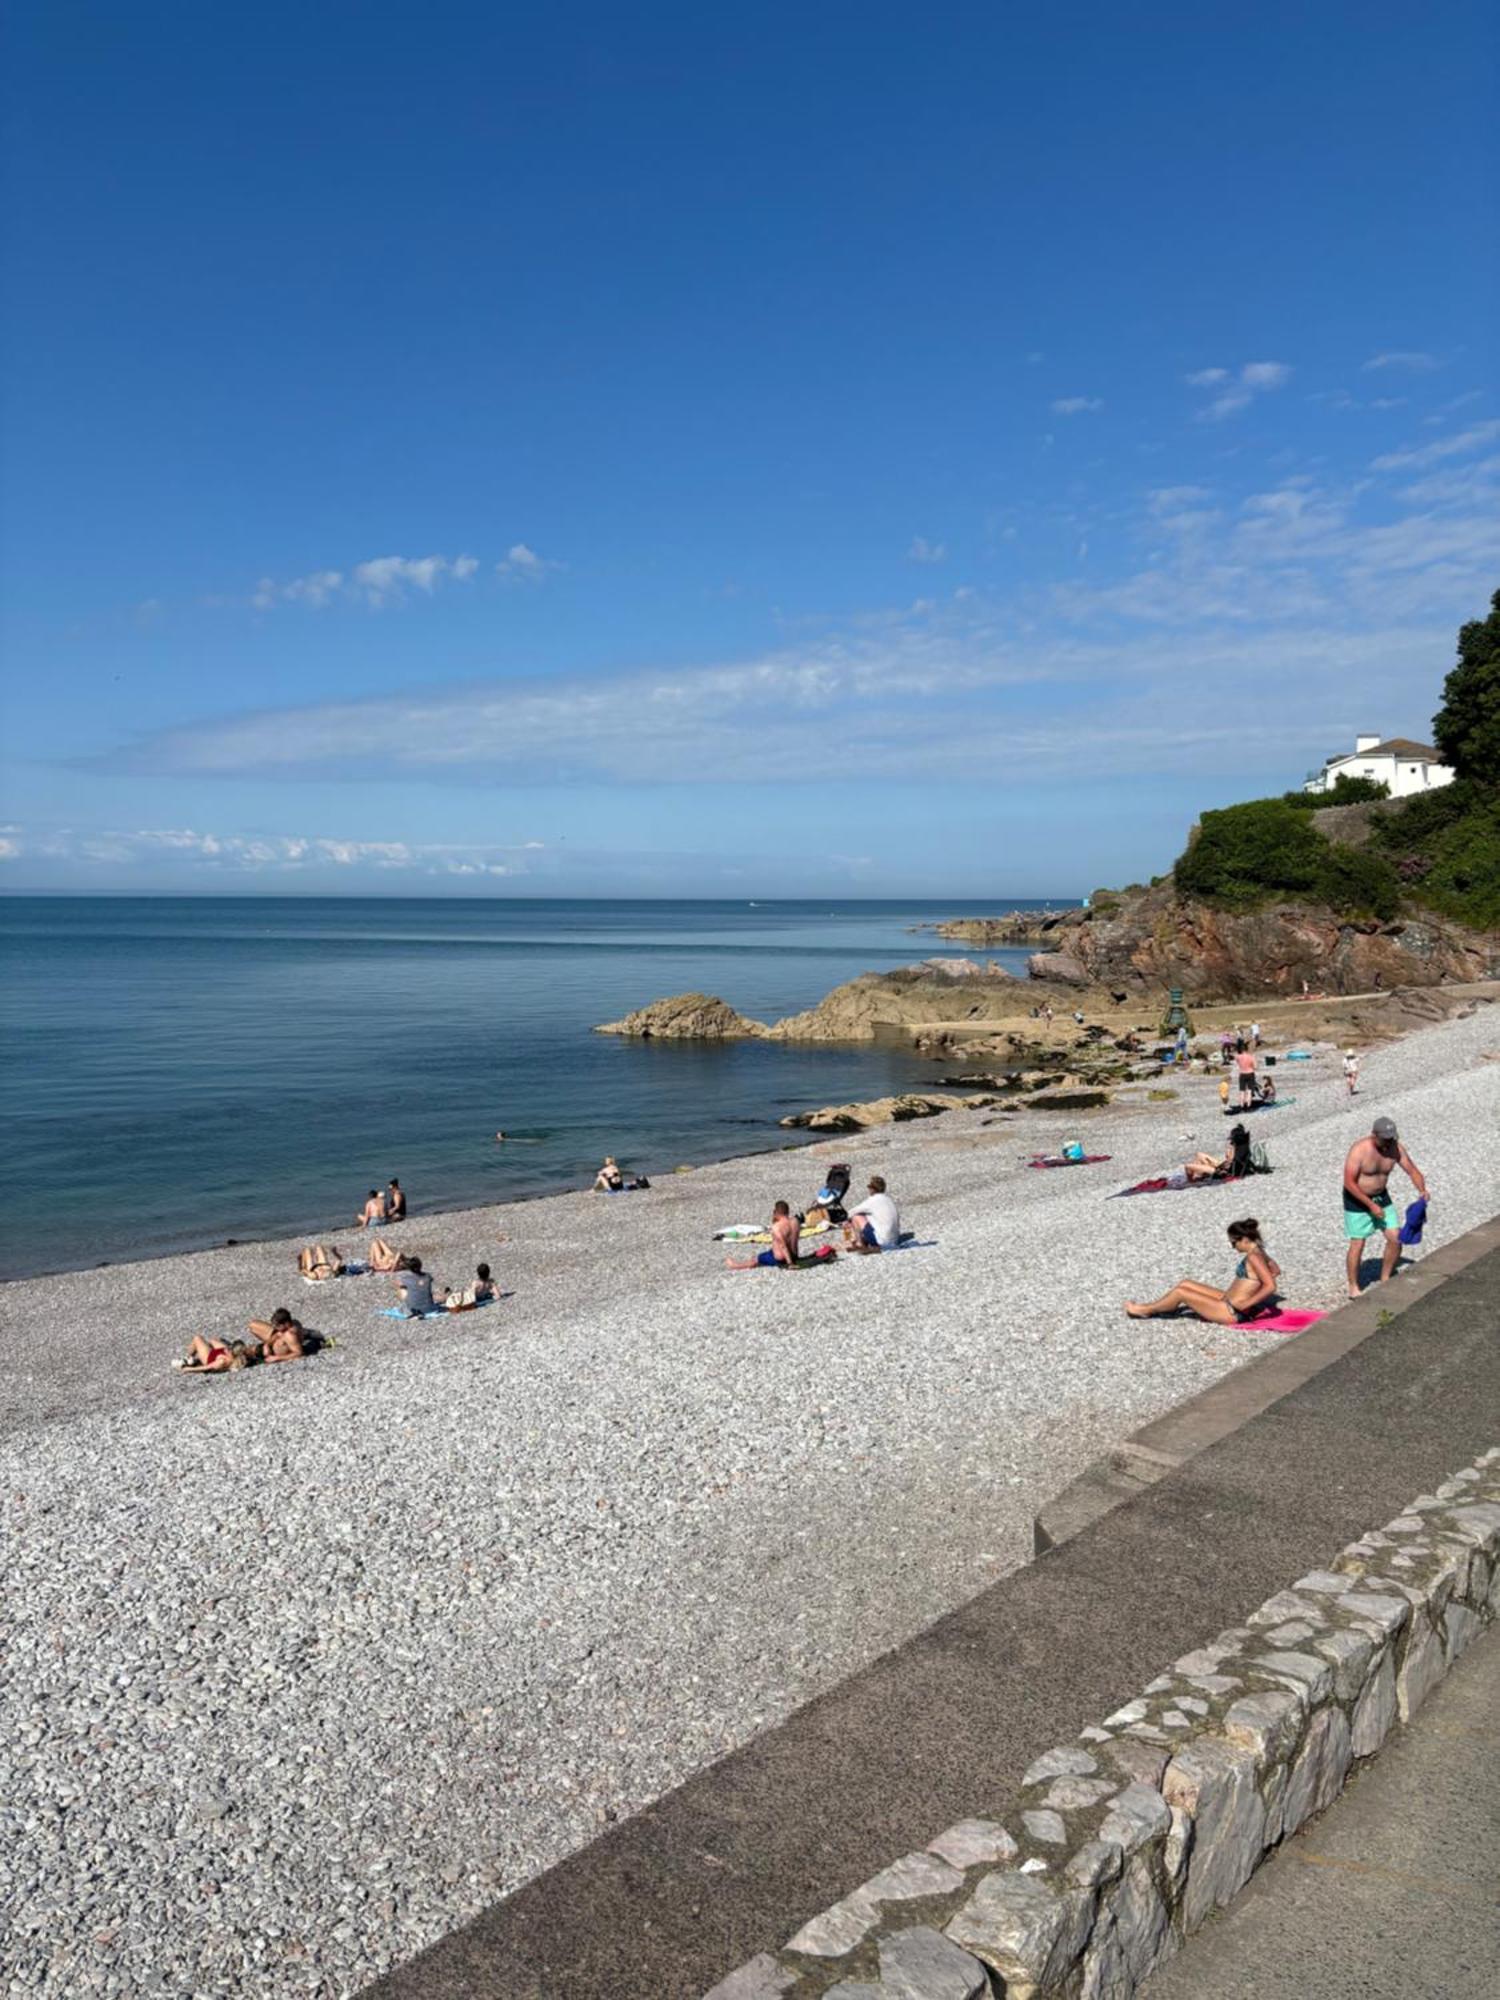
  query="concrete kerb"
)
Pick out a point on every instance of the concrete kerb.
point(1118, 1846)
point(1170, 1441)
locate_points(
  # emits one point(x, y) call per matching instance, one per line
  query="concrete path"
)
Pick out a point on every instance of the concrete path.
point(734, 1860)
point(1394, 1894)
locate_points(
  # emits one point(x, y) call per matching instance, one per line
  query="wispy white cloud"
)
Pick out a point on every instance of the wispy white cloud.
point(259, 853)
point(1473, 439)
point(923, 551)
point(1404, 357)
point(521, 561)
point(1075, 406)
point(382, 581)
point(1238, 389)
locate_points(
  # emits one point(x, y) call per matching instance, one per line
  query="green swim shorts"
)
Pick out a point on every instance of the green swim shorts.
point(1359, 1223)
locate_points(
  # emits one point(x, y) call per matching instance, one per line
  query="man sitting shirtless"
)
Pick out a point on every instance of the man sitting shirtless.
point(1368, 1208)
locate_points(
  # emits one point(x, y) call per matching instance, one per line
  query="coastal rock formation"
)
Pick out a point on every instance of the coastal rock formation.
point(1060, 966)
point(1154, 938)
point(850, 1013)
point(882, 1111)
point(685, 1017)
point(1016, 927)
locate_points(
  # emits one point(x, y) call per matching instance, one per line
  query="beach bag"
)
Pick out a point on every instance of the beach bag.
point(1260, 1159)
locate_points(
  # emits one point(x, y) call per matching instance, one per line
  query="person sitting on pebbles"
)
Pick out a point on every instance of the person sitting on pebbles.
point(1251, 1291)
point(875, 1225)
point(279, 1338)
point(479, 1293)
point(785, 1239)
point(415, 1287)
point(374, 1211)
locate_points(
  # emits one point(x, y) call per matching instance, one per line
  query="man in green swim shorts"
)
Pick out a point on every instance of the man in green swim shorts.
point(1368, 1208)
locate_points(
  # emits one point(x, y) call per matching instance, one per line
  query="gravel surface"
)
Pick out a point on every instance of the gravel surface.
point(304, 1666)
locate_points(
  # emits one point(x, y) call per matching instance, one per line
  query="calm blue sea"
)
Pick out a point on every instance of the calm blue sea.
point(182, 1070)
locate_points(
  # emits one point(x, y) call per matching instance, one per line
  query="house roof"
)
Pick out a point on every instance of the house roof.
point(1393, 746)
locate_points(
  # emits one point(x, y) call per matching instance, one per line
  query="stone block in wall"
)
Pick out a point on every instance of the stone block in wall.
point(972, 1842)
point(1375, 1710)
point(1351, 1654)
point(1214, 1783)
point(1026, 1928)
point(1132, 1933)
point(760, 1979)
point(1422, 1667)
point(921, 1964)
point(1318, 1774)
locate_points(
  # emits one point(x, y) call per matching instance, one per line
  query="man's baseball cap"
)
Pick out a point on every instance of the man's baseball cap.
point(1384, 1128)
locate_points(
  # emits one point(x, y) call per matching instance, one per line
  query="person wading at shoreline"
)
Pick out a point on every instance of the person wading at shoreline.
point(1368, 1208)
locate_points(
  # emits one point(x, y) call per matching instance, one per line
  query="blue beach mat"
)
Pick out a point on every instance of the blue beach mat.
point(438, 1312)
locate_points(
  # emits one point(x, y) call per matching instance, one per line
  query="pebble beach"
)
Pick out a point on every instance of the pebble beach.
point(305, 1666)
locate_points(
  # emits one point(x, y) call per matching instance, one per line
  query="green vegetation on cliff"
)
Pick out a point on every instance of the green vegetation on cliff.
point(1266, 851)
point(1439, 850)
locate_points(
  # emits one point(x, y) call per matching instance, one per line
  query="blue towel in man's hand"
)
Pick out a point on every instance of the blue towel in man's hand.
point(1416, 1219)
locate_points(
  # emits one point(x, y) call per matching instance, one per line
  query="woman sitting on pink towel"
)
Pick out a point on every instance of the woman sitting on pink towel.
point(1252, 1290)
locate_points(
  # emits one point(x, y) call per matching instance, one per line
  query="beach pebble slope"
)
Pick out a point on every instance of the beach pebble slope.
point(305, 1666)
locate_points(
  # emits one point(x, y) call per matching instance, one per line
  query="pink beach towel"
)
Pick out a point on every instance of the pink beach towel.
point(1291, 1319)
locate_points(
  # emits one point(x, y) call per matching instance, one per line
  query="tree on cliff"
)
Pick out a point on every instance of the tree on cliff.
point(1467, 726)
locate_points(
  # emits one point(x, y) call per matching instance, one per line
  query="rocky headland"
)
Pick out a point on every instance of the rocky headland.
point(850, 1013)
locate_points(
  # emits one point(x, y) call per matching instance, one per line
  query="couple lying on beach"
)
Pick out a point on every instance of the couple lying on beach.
point(873, 1226)
point(279, 1338)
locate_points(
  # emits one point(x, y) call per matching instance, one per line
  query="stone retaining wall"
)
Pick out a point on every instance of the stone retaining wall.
point(1115, 1847)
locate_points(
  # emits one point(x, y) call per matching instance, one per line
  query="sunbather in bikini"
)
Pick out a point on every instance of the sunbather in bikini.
point(320, 1261)
point(478, 1294)
point(1250, 1292)
point(386, 1257)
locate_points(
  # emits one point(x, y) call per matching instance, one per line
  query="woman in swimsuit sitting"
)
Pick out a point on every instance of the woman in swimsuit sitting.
point(279, 1338)
point(1250, 1293)
point(478, 1294)
point(609, 1179)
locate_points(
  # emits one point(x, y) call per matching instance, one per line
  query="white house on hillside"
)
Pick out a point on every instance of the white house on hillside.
point(1405, 767)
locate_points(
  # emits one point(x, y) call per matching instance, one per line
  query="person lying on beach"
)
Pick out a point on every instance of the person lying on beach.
point(373, 1211)
point(875, 1225)
point(415, 1287)
point(479, 1293)
point(1250, 1291)
point(279, 1338)
point(320, 1261)
point(386, 1257)
point(395, 1203)
point(785, 1236)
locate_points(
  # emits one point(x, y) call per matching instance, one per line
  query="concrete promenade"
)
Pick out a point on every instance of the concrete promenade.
point(731, 1862)
point(1394, 1894)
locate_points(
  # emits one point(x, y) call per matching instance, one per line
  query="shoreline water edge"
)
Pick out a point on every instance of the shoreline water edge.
point(574, 1546)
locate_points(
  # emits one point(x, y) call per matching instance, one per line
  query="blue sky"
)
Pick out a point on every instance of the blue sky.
point(686, 451)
